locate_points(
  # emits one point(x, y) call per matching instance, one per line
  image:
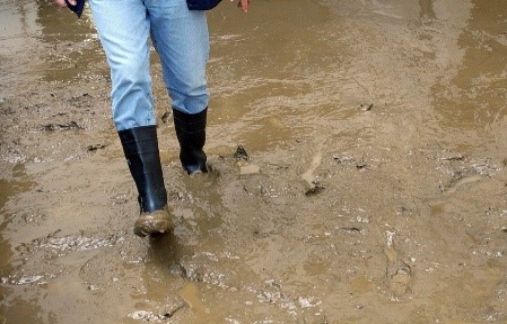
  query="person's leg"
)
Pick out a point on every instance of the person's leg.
point(140, 147)
point(181, 39)
point(123, 29)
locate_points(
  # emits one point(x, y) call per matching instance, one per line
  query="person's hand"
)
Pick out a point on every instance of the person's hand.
point(242, 4)
point(63, 4)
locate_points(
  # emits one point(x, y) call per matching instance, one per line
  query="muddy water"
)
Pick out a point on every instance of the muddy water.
point(374, 190)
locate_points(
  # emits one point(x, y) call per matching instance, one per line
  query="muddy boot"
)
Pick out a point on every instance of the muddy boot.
point(140, 146)
point(191, 133)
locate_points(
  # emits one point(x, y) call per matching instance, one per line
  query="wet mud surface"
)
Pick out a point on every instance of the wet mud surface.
point(372, 188)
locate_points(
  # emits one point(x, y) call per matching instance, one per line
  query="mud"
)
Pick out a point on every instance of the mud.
point(373, 189)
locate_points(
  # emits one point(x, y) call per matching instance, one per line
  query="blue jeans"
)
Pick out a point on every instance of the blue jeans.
point(181, 39)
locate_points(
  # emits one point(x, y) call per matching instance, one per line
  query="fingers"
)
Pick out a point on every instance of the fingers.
point(243, 4)
point(63, 3)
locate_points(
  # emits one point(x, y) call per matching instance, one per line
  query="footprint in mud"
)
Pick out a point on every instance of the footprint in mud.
point(457, 183)
point(191, 295)
point(398, 273)
point(314, 187)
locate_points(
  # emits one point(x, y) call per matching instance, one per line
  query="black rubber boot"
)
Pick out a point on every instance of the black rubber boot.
point(140, 146)
point(191, 133)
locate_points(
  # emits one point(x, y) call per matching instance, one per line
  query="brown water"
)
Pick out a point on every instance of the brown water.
point(375, 190)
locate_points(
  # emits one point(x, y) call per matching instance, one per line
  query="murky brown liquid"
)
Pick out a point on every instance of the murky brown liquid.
point(375, 189)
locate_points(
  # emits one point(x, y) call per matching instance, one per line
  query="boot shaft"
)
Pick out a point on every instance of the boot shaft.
point(140, 146)
point(191, 134)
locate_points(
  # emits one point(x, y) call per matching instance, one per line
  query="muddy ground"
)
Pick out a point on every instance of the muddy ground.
point(374, 190)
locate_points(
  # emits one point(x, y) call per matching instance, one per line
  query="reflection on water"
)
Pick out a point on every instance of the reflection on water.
point(284, 66)
point(55, 53)
point(18, 26)
point(7, 190)
point(5, 248)
point(475, 97)
point(427, 10)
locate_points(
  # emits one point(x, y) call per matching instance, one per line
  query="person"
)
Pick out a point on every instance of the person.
point(180, 37)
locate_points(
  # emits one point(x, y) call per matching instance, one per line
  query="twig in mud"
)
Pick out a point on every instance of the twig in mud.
point(350, 229)
point(70, 125)
point(95, 147)
point(452, 158)
point(366, 107)
point(171, 313)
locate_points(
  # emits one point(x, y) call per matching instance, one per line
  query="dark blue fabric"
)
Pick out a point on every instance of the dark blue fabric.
point(78, 8)
point(202, 4)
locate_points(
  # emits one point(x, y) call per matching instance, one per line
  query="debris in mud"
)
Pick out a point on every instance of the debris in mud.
point(389, 239)
point(361, 166)
point(77, 101)
point(156, 316)
point(350, 229)
point(314, 190)
point(485, 168)
point(273, 294)
point(52, 127)
point(240, 153)
point(92, 288)
point(343, 159)
point(457, 157)
point(402, 210)
point(24, 280)
point(78, 97)
point(70, 243)
point(366, 107)
point(165, 116)
point(466, 174)
point(199, 269)
point(95, 147)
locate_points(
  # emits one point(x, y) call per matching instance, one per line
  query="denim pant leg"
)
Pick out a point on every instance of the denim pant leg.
point(123, 28)
point(181, 39)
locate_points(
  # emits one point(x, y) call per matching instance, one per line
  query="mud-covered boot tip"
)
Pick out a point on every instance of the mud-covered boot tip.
point(153, 224)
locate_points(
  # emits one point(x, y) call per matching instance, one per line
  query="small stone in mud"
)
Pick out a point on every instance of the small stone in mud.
point(92, 287)
point(241, 153)
point(249, 169)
